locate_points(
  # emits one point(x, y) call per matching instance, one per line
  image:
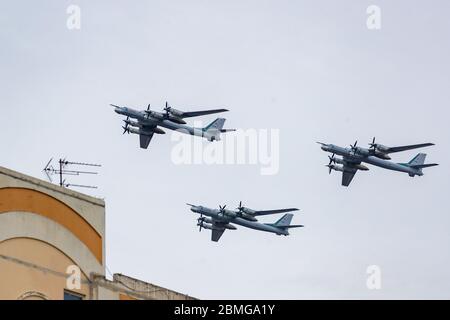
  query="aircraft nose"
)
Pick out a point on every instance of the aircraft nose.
point(324, 148)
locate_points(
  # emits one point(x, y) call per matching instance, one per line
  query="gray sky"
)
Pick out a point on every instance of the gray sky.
point(309, 68)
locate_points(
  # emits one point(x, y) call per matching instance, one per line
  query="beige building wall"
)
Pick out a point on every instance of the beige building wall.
point(46, 229)
point(43, 276)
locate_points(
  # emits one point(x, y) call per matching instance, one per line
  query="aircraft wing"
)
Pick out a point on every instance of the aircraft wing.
point(145, 139)
point(347, 177)
point(266, 212)
point(404, 148)
point(216, 234)
point(201, 113)
point(349, 172)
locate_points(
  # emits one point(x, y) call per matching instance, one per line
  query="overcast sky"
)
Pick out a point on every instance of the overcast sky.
point(311, 69)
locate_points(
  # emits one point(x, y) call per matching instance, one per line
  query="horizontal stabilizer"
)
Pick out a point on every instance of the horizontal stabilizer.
point(418, 162)
point(290, 226)
point(421, 166)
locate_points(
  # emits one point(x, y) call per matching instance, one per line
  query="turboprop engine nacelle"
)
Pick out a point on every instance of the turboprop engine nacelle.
point(146, 133)
point(212, 227)
point(248, 214)
point(362, 151)
point(206, 220)
point(337, 168)
point(177, 120)
point(381, 155)
point(381, 148)
point(132, 123)
point(360, 167)
point(229, 213)
point(248, 217)
point(175, 115)
point(175, 112)
point(379, 152)
point(206, 225)
point(342, 169)
point(229, 227)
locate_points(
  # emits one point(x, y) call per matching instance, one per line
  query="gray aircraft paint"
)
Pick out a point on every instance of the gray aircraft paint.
point(168, 124)
point(216, 215)
point(349, 153)
point(352, 158)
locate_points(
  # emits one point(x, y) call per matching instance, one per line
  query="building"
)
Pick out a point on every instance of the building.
point(52, 246)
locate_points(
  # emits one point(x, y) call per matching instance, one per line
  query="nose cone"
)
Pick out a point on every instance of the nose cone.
point(118, 110)
point(195, 209)
point(324, 148)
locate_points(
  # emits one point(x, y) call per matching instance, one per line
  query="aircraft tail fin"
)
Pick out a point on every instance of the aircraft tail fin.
point(216, 125)
point(418, 162)
point(285, 222)
point(212, 131)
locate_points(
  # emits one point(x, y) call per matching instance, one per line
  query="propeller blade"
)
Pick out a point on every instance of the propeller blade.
point(222, 209)
point(201, 224)
point(373, 145)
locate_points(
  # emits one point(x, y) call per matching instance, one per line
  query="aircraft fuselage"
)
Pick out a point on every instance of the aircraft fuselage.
point(217, 215)
point(355, 156)
point(148, 119)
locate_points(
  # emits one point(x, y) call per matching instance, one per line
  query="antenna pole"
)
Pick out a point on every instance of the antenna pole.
point(49, 171)
point(60, 173)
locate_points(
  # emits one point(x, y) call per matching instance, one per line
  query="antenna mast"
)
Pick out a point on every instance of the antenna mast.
point(64, 171)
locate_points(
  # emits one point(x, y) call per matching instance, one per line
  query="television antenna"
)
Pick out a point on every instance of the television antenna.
point(65, 169)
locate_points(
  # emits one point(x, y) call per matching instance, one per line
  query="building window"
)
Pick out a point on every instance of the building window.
point(69, 295)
